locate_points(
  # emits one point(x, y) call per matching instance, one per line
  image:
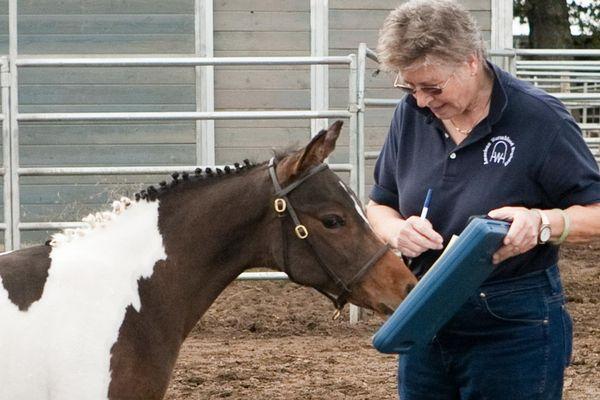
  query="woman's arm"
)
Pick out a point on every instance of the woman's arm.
point(523, 233)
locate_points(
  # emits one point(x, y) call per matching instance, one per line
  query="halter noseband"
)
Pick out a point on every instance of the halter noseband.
point(282, 204)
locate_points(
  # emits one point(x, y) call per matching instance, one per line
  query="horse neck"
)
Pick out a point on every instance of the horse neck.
point(213, 232)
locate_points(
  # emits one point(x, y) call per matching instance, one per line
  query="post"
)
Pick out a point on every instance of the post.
point(5, 81)
point(319, 74)
point(502, 16)
point(205, 82)
point(355, 312)
point(15, 203)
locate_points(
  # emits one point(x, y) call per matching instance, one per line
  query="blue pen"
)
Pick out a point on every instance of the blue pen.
point(426, 204)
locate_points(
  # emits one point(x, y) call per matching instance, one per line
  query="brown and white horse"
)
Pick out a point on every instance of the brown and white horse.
point(101, 313)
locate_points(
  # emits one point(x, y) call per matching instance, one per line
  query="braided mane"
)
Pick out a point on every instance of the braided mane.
point(102, 219)
point(152, 193)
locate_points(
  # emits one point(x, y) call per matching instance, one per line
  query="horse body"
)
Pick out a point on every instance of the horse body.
point(59, 347)
point(102, 313)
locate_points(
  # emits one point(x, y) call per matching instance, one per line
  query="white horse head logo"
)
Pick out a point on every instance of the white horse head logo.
point(499, 150)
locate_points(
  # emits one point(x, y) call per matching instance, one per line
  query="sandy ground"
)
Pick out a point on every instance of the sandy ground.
point(276, 340)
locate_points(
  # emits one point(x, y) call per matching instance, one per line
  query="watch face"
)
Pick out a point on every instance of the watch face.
point(545, 234)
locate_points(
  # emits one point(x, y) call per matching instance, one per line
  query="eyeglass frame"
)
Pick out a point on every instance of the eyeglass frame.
point(430, 90)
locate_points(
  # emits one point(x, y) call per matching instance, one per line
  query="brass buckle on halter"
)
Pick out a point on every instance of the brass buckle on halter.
point(301, 231)
point(280, 205)
point(336, 314)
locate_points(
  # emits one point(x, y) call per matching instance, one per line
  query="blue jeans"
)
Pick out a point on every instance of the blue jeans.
point(512, 340)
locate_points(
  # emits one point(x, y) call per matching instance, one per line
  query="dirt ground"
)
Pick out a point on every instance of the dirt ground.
point(276, 340)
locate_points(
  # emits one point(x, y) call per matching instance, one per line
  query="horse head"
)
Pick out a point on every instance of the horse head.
point(322, 237)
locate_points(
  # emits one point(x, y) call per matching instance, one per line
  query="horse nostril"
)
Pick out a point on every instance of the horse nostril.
point(409, 287)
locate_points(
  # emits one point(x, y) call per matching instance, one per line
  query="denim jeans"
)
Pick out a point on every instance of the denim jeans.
point(511, 340)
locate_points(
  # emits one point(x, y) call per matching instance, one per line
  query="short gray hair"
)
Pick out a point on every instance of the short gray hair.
point(419, 29)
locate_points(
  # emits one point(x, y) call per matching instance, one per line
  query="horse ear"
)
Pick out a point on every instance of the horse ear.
point(315, 152)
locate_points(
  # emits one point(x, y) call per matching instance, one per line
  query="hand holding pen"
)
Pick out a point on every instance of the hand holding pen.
point(416, 234)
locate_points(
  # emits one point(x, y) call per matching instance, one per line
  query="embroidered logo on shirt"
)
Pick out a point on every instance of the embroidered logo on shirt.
point(499, 150)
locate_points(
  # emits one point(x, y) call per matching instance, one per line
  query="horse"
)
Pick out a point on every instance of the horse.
point(101, 312)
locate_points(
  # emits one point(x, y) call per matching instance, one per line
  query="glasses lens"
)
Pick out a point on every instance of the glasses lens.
point(431, 90)
point(406, 89)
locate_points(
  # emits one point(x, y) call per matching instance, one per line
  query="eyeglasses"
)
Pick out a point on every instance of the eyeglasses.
point(430, 90)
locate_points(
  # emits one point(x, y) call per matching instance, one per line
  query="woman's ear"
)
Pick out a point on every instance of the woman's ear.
point(473, 63)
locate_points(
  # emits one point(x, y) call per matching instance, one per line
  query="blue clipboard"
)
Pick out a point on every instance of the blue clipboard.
point(443, 289)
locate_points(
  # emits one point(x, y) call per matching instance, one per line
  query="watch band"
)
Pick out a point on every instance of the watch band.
point(543, 216)
point(566, 226)
point(544, 226)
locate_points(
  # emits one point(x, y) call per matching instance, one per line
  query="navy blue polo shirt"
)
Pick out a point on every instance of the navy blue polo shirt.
point(527, 152)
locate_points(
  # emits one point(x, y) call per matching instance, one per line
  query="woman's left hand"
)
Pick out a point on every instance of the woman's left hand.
point(523, 233)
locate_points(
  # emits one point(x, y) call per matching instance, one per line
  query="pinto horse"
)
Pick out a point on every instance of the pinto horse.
point(101, 313)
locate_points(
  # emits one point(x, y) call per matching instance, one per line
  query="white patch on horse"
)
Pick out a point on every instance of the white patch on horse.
point(357, 205)
point(60, 347)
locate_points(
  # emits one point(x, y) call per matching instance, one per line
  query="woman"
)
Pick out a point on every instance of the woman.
point(485, 143)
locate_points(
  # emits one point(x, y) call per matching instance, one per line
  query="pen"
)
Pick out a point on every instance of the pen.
point(423, 214)
point(426, 204)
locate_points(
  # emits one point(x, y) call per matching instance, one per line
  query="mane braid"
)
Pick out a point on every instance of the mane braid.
point(152, 193)
point(93, 221)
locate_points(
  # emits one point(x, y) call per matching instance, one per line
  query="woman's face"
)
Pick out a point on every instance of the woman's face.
point(453, 80)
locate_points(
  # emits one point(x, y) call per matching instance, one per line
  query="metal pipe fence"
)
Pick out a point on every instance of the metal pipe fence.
point(358, 103)
point(12, 171)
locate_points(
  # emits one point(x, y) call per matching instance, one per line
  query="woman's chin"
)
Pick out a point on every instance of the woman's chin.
point(439, 111)
point(443, 111)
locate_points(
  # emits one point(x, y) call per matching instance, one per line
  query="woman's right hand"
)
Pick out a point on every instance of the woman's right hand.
point(413, 236)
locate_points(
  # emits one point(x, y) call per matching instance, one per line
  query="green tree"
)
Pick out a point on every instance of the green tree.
point(550, 22)
point(587, 18)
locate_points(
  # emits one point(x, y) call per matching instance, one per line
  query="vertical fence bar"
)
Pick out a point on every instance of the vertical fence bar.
point(15, 203)
point(7, 178)
point(352, 107)
point(501, 28)
point(584, 111)
point(360, 120)
point(355, 312)
point(205, 81)
point(319, 74)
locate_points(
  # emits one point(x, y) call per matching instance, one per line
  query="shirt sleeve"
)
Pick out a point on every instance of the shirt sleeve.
point(569, 174)
point(385, 189)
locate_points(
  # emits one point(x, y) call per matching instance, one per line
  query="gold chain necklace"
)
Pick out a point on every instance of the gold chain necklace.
point(461, 131)
point(467, 131)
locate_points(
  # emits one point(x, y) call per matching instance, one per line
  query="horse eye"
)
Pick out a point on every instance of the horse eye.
point(333, 221)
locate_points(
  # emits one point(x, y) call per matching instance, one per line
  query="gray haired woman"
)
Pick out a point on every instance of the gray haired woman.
point(485, 143)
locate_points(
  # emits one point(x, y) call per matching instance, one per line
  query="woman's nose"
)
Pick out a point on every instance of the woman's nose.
point(422, 98)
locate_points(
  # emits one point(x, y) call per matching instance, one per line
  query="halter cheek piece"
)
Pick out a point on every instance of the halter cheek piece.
point(282, 204)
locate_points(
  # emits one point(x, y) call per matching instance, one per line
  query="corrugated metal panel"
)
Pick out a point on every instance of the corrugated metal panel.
point(100, 27)
point(252, 28)
point(241, 28)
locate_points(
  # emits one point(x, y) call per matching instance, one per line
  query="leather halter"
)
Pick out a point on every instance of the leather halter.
point(282, 204)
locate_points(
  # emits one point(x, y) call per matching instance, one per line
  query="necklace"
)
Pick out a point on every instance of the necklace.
point(468, 130)
point(461, 131)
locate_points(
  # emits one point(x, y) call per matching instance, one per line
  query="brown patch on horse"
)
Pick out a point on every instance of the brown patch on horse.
point(143, 357)
point(382, 282)
point(24, 274)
